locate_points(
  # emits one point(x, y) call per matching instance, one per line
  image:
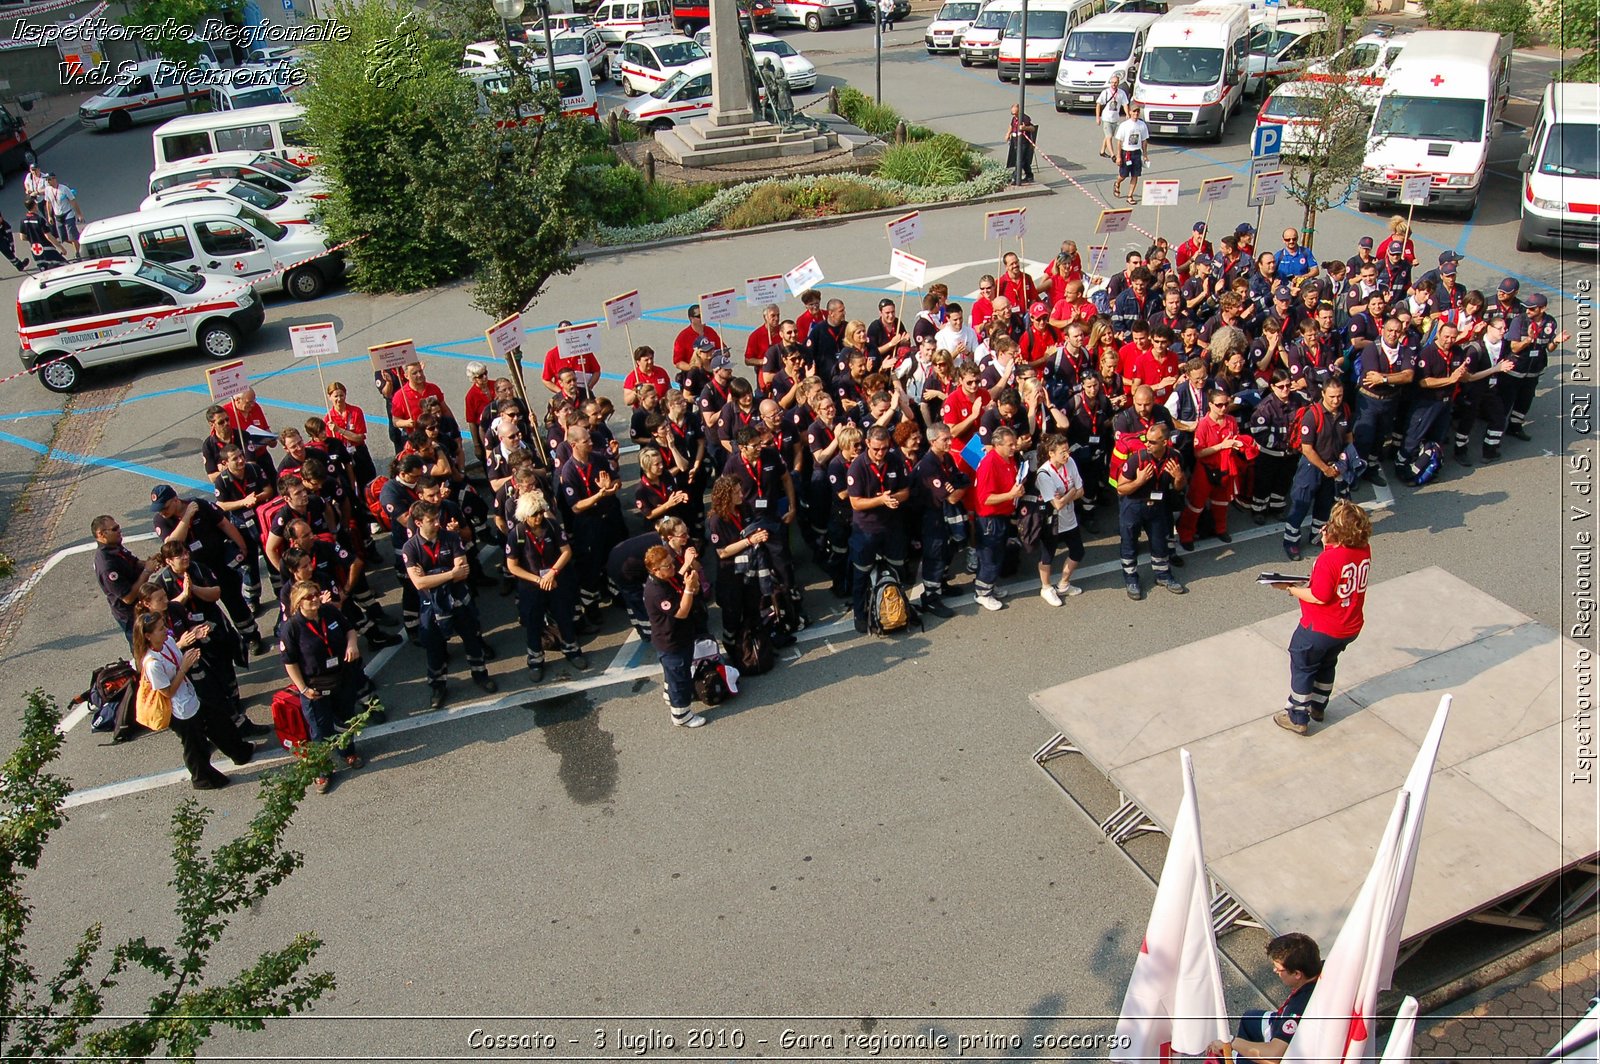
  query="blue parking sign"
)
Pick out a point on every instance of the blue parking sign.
point(1268, 140)
point(288, 5)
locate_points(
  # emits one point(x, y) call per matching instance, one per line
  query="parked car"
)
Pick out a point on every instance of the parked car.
point(776, 52)
point(149, 91)
point(1280, 50)
point(16, 150)
point(1300, 109)
point(285, 210)
point(944, 32)
point(814, 14)
point(584, 44)
point(645, 63)
point(1365, 62)
point(1561, 171)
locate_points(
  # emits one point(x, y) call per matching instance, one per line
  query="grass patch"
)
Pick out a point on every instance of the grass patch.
point(793, 200)
point(618, 195)
point(939, 160)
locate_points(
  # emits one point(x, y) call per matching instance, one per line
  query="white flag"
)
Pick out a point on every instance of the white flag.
point(1341, 1016)
point(1398, 1048)
point(1175, 994)
point(1579, 1043)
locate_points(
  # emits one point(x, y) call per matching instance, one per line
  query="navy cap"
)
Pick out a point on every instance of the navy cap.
point(1244, 227)
point(1448, 256)
point(1199, 227)
point(1447, 269)
point(160, 495)
point(1509, 285)
point(1282, 292)
point(1538, 300)
point(1365, 242)
point(722, 361)
point(705, 343)
point(1396, 248)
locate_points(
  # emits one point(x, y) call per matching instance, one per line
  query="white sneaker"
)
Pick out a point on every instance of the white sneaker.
point(693, 720)
point(1069, 590)
point(1050, 596)
point(989, 602)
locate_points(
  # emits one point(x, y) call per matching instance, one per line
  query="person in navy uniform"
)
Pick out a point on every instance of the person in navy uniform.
point(437, 567)
point(1483, 390)
point(1324, 434)
point(214, 541)
point(118, 572)
point(877, 485)
point(318, 650)
point(1264, 1035)
point(1531, 336)
point(592, 515)
point(396, 500)
point(672, 598)
point(1148, 475)
point(1387, 366)
point(937, 488)
point(1271, 424)
point(1441, 367)
point(538, 556)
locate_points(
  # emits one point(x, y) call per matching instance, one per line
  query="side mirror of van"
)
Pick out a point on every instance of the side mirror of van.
point(256, 245)
point(1525, 163)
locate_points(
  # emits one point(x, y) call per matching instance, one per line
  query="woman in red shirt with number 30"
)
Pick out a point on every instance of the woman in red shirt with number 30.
point(1330, 615)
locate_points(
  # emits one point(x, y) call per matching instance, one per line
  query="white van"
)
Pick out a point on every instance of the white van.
point(1103, 46)
point(573, 82)
point(151, 90)
point(645, 63)
point(225, 238)
point(1436, 115)
point(1049, 23)
point(944, 32)
point(814, 14)
point(238, 97)
point(258, 168)
point(1561, 171)
point(618, 20)
point(115, 310)
point(1191, 79)
point(285, 210)
point(981, 41)
point(278, 129)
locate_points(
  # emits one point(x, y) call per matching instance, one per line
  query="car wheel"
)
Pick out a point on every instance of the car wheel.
point(965, 62)
point(218, 340)
point(62, 376)
point(661, 125)
point(814, 22)
point(305, 283)
point(1523, 243)
point(628, 89)
point(120, 122)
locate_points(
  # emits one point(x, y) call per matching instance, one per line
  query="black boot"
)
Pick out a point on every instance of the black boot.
point(1463, 457)
point(1520, 433)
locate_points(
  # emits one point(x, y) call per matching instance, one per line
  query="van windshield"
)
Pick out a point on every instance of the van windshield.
point(284, 171)
point(1042, 25)
point(991, 20)
point(1572, 150)
point(1098, 46)
point(964, 11)
point(262, 224)
point(1181, 66)
point(167, 277)
point(1429, 118)
point(259, 96)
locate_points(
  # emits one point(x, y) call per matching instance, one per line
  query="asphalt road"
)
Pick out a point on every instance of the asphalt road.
point(860, 834)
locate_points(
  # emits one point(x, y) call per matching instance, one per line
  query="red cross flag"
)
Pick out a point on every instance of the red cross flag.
point(1174, 1000)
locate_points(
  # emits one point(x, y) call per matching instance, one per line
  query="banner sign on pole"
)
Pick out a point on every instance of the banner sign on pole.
point(575, 340)
point(313, 341)
point(1268, 186)
point(905, 229)
point(226, 381)
point(1097, 259)
point(759, 291)
point(623, 309)
point(1160, 193)
point(1414, 189)
point(1258, 169)
point(719, 306)
point(806, 275)
point(1000, 225)
point(505, 336)
point(393, 355)
point(1114, 220)
point(1215, 189)
point(908, 268)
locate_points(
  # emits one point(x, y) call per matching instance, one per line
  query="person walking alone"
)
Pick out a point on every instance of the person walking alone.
point(1020, 142)
point(1108, 110)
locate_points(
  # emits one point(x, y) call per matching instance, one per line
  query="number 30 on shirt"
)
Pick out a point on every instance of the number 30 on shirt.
point(1353, 579)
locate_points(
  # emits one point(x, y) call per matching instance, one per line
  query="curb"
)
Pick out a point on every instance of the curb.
point(1513, 963)
point(1009, 194)
point(53, 134)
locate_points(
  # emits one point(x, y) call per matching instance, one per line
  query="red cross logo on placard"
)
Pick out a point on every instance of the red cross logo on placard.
point(1436, 81)
point(103, 264)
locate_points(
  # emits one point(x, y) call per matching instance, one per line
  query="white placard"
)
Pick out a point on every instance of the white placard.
point(1097, 260)
point(1266, 164)
point(719, 306)
point(806, 275)
point(905, 229)
point(504, 336)
point(1114, 220)
point(1002, 225)
point(313, 341)
point(393, 355)
point(1215, 189)
point(1414, 189)
point(226, 381)
point(1160, 193)
point(760, 291)
point(623, 309)
point(575, 340)
point(907, 267)
point(1268, 185)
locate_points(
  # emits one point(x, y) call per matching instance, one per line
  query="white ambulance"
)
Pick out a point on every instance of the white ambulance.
point(1192, 76)
point(1561, 171)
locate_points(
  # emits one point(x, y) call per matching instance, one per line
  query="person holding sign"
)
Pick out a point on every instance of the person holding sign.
point(764, 338)
point(1133, 151)
point(1020, 140)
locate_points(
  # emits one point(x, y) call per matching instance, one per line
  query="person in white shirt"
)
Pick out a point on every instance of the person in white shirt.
point(64, 213)
point(164, 663)
point(956, 336)
point(1133, 150)
point(1108, 109)
point(1059, 486)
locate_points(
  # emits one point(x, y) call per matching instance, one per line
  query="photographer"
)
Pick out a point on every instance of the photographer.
point(672, 597)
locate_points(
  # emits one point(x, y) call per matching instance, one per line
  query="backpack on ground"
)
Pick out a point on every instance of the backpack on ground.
point(709, 685)
point(753, 651)
point(111, 698)
point(887, 608)
point(1425, 466)
point(289, 720)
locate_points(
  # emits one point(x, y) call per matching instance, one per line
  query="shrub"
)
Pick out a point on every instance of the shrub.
point(1511, 17)
point(857, 108)
point(618, 195)
point(941, 160)
point(768, 204)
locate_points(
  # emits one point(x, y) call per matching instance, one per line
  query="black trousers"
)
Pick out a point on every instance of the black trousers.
point(210, 726)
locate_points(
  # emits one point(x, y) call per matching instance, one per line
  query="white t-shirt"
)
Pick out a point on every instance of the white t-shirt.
point(160, 666)
point(61, 200)
point(1111, 103)
point(1050, 480)
point(948, 339)
point(1131, 134)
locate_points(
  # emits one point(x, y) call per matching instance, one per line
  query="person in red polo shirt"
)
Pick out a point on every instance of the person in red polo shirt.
point(683, 346)
point(406, 406)
point(645, 371)
point(1015, 285)
point(763, 337)
point(1197, 244)
point(996, 489)
point(1331, 615)
point(586, 367)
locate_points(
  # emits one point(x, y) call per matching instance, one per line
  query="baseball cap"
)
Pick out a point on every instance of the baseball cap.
point(160, 495)
point(1282, 292)
point(1199, 227)
point(722, 361)
point(1396, 249)
point(1538, 300)
point(885, 303)
point(1448, 256)
point(1365, 242)
point(1509, 285)
point(705, 343)
point(1447, 269)
point(1038, 310)
point(1243, 228)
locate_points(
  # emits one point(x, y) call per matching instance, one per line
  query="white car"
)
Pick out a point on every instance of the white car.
point(487, 54)
point(1297, 108)
point(582, 44)
point(685, 95)
point(1281, 51)
point(944, 32)
point(259, 168)
point(774, 52)
point(285, 210)
point(1365, 62)
point(644, 64)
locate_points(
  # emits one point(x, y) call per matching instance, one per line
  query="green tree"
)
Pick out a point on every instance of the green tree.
point(377, 103)
point(1576, 24)
point(1330, 161)
point(177, 47)
point(67, 1015)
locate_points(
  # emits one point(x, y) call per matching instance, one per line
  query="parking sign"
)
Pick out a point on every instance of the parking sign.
point(1268, 140)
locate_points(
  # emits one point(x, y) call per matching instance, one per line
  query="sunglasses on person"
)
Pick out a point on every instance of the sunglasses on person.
point(1219, 406)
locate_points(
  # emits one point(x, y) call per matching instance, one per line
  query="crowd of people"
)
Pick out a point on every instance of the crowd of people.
point(1197, 381)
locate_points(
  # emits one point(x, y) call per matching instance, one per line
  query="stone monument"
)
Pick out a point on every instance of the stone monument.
point(735, 131)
